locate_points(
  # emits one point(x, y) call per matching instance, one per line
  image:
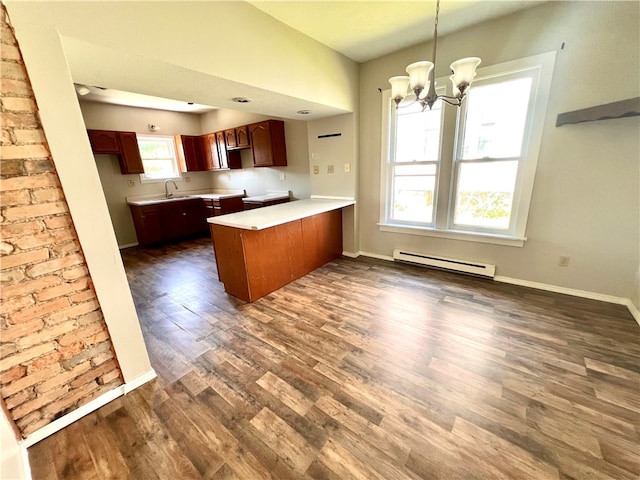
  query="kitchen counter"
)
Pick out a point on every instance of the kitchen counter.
point(278, 214)
point(185, 195)
point(260, 251)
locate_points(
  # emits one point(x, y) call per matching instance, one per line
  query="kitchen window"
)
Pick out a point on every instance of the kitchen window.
point(467, 173)
point(159, 159)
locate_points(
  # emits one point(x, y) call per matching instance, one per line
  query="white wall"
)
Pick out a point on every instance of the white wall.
point(585, 201)
point(12, 462)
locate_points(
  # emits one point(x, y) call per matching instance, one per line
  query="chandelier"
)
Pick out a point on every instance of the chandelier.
point(421, 79)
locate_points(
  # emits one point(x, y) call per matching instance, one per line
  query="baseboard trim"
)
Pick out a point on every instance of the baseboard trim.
point(376, 255)
point(573, 292)
point(537, 285)
point(139, 381)
point(84, 410)
point(127, 245)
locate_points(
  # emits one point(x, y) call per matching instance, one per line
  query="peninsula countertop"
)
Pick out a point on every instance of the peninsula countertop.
point(267, 217)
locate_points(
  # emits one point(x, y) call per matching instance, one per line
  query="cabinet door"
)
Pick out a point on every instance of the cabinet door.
point(242, 137)
point(148, 225)
point(267, 144)
point(173, 223)
point(222, 150)
point(230, 138)
point(129, 158)
point(210, 147)
point(104, 141)
point(192, 153)
point(195, 220)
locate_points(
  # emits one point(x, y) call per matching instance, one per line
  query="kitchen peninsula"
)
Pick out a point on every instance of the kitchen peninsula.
point(259, 251)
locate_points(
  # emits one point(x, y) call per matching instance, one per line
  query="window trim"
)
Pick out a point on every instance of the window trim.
point(143, 176)
point(443, 210)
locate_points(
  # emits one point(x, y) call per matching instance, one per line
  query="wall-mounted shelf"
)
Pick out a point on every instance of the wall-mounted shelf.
point(621, 109)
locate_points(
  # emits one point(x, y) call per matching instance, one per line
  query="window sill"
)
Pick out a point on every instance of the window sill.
point(454, 234)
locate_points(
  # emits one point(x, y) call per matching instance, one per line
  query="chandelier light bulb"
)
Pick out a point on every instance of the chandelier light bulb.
point(399, 87)
point(421, 80)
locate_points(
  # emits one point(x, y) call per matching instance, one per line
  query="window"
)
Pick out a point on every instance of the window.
point(158, 157)
point(467, 173)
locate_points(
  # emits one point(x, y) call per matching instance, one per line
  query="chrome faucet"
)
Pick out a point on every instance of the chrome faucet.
point(166, 187)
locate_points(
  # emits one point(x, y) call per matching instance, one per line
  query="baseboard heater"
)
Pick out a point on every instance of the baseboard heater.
point(463, 266)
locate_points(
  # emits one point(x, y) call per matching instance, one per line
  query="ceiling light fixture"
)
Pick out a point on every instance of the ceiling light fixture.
point(422, 78)
point(241, 100)
point(82, 89)
point(304, 112)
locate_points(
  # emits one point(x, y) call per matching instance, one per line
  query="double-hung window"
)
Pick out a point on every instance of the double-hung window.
point(468, 173)
point(159, 159)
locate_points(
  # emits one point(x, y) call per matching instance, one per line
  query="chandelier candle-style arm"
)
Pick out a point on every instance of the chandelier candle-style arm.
point(422, 77)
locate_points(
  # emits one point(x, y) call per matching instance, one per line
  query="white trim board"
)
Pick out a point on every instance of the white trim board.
point(541, 286)
point(84, 410)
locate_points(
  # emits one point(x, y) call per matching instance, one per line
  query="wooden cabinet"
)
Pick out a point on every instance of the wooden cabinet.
point(223, 206)
point(191, 154)
point(122, 144)
point(268, 144)
point(165, 222)
point(254, 263)
point(237, 138)
point(242, 137)
point(211, 155)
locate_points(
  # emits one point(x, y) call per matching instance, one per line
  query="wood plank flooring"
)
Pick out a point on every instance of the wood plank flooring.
point(363, 369)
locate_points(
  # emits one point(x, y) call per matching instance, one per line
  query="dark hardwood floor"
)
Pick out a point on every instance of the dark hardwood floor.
point(363, 369)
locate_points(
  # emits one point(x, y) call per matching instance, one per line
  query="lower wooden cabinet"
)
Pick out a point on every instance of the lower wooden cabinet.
point(223, 206)
point(169, 221)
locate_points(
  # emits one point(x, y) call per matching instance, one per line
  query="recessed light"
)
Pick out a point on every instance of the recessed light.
point(189, 103)
point(304, 112)
point(241, 100)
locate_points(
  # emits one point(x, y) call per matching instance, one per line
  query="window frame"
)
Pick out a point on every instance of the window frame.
point(450, 147)
point(144, 178)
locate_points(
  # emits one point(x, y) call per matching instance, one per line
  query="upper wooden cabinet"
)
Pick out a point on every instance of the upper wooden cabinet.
point(211, 155)
point(242, 137)
point(267, 143)
point(122, 144)
point(237, 138)
point(191, 154)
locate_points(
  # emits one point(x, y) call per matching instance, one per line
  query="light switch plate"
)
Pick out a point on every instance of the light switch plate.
point(329, 168)
point(316, 170)
point(347, 167)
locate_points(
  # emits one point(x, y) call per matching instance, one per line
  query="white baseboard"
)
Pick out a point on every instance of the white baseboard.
point(139, 381)
point(375, 255)
point(537, 285)
point(127, 245)
point(84, 410)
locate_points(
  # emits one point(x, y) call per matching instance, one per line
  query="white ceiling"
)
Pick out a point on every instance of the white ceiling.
point(359, 29)
point(363, 30)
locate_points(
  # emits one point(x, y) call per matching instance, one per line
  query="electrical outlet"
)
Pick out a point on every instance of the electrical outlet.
point(347, 167)
point(283, 176)
point(187, 179)
point(316, 169)
point(564, 261)
point(131, 183)
point(329, 168)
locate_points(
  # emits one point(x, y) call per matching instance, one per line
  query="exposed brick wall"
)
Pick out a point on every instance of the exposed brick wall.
point(55, 349)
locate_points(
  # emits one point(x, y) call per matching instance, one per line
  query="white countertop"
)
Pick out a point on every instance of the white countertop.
point(184, 195)
point(261, 218)
point(266, 198)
